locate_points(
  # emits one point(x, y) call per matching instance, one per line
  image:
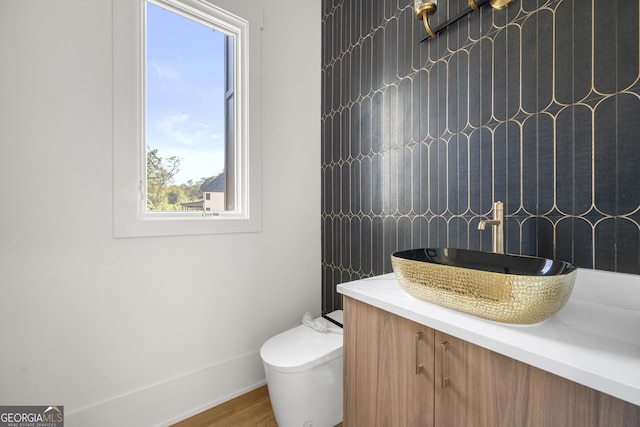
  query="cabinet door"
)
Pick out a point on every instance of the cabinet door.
point(475, 389)
point(382, 385)
point(484, 388)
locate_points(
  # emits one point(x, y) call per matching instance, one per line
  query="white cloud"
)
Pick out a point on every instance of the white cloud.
point(170, 126)
point(166, 71)
point(206, 133)
point(178, 127)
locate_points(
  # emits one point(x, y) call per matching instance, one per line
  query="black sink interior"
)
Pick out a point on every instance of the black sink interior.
point(489, 261)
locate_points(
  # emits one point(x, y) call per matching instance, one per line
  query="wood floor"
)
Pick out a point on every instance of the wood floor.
point(252, 409)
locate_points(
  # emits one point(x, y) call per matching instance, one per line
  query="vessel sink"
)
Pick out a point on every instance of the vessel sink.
point(504, 288)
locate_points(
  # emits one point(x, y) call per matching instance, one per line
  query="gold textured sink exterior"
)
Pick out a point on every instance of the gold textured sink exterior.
point(508, 298)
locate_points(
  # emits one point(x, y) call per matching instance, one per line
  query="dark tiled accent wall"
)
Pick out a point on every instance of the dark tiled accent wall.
point(537, 105)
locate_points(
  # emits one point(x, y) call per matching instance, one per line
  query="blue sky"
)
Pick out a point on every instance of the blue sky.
point(185, 93)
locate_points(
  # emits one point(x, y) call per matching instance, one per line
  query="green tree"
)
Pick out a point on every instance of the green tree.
point(160, 174)
point(192, 190)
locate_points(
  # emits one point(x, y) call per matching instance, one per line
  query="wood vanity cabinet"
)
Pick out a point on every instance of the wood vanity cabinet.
point(459, 384)
point(381, 385)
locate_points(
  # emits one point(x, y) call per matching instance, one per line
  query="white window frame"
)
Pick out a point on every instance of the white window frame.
point(131, 218)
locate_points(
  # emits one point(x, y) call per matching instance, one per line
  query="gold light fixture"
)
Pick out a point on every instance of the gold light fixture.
point(425, 9)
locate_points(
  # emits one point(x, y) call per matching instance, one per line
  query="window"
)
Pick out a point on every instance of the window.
point(186, 156)
point(185, 127)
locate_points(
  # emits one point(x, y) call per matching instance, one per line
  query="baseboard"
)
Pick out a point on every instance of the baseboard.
point(166, 403)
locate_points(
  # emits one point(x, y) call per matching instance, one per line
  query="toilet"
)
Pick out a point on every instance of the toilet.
point(304, 375)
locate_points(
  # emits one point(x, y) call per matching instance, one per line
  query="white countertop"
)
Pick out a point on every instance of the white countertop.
point(594, 340)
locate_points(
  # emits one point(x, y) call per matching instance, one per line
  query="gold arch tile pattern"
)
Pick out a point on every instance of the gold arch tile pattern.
point(536, 105)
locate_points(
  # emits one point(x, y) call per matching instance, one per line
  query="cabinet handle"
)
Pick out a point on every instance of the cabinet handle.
point(445, 376)
point(418, 364)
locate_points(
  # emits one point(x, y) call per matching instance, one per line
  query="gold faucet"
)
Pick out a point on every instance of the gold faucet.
point(498, 223)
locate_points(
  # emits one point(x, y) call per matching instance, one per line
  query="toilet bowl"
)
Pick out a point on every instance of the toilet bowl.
point(304, 375)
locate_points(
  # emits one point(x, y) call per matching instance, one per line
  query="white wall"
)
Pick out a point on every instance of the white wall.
point(129, 332)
